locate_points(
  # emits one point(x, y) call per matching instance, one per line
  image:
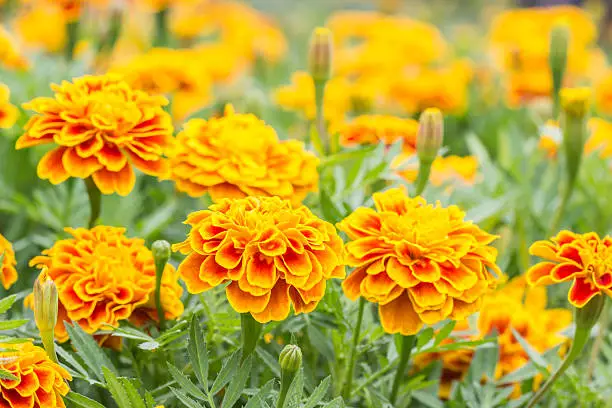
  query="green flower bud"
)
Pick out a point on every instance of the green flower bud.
point(587, 316)
point(161, 251)
point(557, 58)
point(45, 303)
point(430, 134)
point(290, 358)
point(320, 54)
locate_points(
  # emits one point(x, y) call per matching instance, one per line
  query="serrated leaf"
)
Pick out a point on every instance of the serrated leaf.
point(318, 393)
point(74, 364)
point(295, 392)
point(337, 402)
point(268, 360)
point(149, 400)
point(5, 375)
point(534, 356)
point(259, 400)
point(136, 400)
point(7, 302)
point(185, 399)
point(320, 342)
point(87, 348)
point(12, 324)
point(81, 401)
point(427, 399)
point(236, 385)
point(228, 370)
point(185, 383)
point(444, 332)
point(116, 389)
point(131, 333)
point(198, 354)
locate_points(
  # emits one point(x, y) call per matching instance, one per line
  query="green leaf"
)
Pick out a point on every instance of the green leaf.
point(198, 354)
point(185, 383)
point(12, 324)
point(131, 333)
point(534, 356)
point(135, 398)
point(329, 209)
point(444, 332)
point(7, 302)
point(227, 372)
point(185, 399)
point(5, 375)
point(268, 360)
point(320, 342)
point(484, 363)
point(427, 399)
point(235, 387)
point(259, 400)
point(337, 402)
point(74, 364)
point(81, 401)
point(295, 392)
point(116, 389)
point(149, 345)
point(318, 393)
point(424, 337)
point(87, 348)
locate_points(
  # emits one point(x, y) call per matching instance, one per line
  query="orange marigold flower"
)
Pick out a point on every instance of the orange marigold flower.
point(238, 155)
point(102, 127)
point(273, 254)
point(448, 169)
point(8, 273)
point(583, 259)
point(104, 277)
point(369, 129)
point(421, 263)
point(42, 28)
point(514, 306)
point(10, 57)
point(8, 112)
point(40, 382)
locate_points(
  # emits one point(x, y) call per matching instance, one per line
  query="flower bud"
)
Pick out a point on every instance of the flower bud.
point(559, 44)
point(290, 358)
point(161, 252)
point(575, 102)
point(45, 303)
point(430, 134)
point(320, 54)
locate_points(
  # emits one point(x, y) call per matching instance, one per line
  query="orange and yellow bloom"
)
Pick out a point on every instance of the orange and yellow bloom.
point(40, 382)
point(238, 155)
point(583, 259)
point(448, 169)
point(102, 128)
point(371, 129)
point(272, 254)
point(103, 277)
point(8, 112)
point(10, 55)
point(8, 273)
point(421, 263)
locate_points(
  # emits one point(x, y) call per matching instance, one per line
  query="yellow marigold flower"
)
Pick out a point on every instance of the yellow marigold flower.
point(583, 259)
point(300, 97)
point(10, 57)
point(448, 169)
point(8, 112)
point(175, 73)
point(42, 27)
point(104, 277)
point(40, 383)
point(102, 127)
point(238, 155)
point(421, 263)
point(603, 93)
point(370, 129)
point(599, 141)
point(70, 9)
point(511, 307)
point(8, 273)
point(273, 254)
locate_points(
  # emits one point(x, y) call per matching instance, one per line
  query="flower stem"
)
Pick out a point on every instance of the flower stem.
point(72, 33)
point(321, 132)
point(94, 201)
point(350, 371)
point(48, 342)
point(251, 331)
point(161, 254)
point(161, 28)
point(408, 343)
point(423, 176)
point(286, 380)
point(603, 329)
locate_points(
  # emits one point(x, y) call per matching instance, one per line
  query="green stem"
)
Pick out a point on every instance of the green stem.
point(72, 33)
point(554, 225)
point(251, 331)
point(423, 176)
point(161, 28)
point(320, 116)
point(286, 380)
point(48, 342)
point(599, 340)
point(95, 199)
point(374, 377)
point(158, 305)
point(350, 371)
point(408, 343)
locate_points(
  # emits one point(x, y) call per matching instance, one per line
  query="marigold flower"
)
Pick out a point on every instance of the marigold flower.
point(40, 382)
point(273, 254)
point(10, 57)
point(583, 259)
point(42, 28)
point(8, 112)
point(104, 277)
point(421, 263)
point(370, 129)
point(8, 273)
point(448, 169)
point(102, 127)
point(512, 307)
point(238, 155)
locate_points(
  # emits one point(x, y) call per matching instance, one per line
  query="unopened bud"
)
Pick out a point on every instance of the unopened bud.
point(45, 303)
point(320, 54)
point(430, 134)
point(575, 102)
point(559, 44)
point(161, 252)
point(290, 358)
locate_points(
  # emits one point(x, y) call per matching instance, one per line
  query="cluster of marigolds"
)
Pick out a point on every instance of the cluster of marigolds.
point(421, 263)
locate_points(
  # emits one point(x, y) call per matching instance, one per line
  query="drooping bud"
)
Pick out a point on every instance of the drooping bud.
point(45, 303)
point(290, 358)
point(430, 134)
point(320, 54)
